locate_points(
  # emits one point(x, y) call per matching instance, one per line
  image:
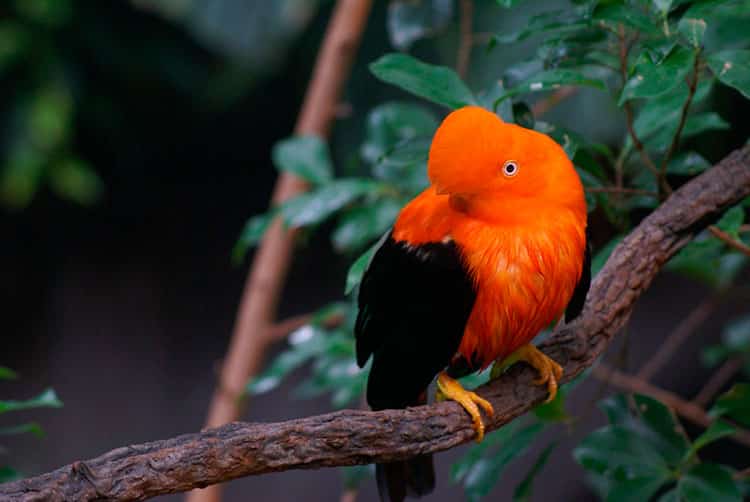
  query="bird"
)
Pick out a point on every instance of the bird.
point(493, 251)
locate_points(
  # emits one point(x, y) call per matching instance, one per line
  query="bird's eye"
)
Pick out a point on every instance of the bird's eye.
point(510, 168)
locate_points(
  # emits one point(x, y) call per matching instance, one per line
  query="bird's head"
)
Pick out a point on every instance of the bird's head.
point(483, 163)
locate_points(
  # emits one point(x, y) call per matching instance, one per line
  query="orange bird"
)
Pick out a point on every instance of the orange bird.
point(474, 268)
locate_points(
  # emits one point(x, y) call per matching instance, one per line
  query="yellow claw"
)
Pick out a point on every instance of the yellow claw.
point(448, 388)
point(549, 371)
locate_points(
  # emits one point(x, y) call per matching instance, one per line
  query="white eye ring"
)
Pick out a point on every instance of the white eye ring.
point(510, 168)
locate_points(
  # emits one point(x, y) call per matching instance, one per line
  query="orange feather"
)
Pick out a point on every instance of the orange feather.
point(513, 203)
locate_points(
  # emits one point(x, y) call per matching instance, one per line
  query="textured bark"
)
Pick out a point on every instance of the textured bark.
point(358, 437)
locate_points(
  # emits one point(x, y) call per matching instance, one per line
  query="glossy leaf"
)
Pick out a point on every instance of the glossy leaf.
point(613, 13)
point(412, 20)
point(708, 483)
point(554, 21)
point(316, 206)
point(693, 29)
point(653, 78)
point(47, 399)
point(732, 220)
point(436, 83)
point(357, 269)
point(664, 428)
point(251, 234)
point(391, 124)
point(732, 68)
point(687, 164)
point(360, 225)
point(488, 98)
point(734, 404)
point(550, 80)
point(717, 430)
point(304, 156)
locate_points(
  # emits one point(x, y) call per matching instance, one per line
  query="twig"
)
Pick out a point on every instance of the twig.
point(729, 240)
point(624, 48)
point(544, 105)
point(692, 84)
point(466, 37)
point(621, 190)
point(260, 297)
point(677, 337)
point(685, 409)
point(352, 437)
point(717, 381)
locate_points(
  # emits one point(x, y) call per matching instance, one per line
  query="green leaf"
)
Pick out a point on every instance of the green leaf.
point(7, 373)
point(47, 399)
point(508, 3)
point(735, 404)
point(313, 207)
point(717, 430)
point(392, 124)
point(732, 220)
point(671, 496)
point(708, 483)
point(405, 167)
point(251, 234)
point(662, 6)
point(30, 428)
point(522, 115)
point(732, 68)
point(524, 489)
point(613, 13)
point(694, 125)
point(736, 334)
point(666, 429)
point(557, 21)
point(653, 78)
point(360, 225)
point(435, 83)
point(357, 270)
point(7, 474)
point(488, 98)
point(552, 79)
point(409, 20)
point(687, 164)
point(75, 180)
point(693, 30)
point(304, 156)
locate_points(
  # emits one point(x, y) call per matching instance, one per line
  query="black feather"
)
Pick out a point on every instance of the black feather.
point(575, 305)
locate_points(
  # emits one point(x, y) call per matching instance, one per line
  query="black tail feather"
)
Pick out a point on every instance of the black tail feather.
point(413, 478)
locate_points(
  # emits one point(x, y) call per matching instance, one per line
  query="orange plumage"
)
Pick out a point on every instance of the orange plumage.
point(522, 236)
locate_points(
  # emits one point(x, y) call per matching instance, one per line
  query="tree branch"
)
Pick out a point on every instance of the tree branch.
point(351, 437)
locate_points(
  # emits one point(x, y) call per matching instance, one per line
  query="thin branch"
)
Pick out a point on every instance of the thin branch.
point(692, 84)
point(677, 337)
point(544, 105)
point(729, 240)
point(352, 437)
point(251, 334)
point(685, 409)
point(717, 381)
point(466, 37)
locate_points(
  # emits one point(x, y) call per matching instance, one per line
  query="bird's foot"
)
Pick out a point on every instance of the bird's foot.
point(448, 388)
point(549, 371)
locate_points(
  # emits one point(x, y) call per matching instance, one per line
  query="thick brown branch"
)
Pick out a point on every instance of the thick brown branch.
point(358, 437)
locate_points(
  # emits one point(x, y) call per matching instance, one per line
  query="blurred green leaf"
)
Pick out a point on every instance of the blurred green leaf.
point(488, 98)
point(524, 489)
point(251, 234)
point(601, 256)
point(75, 180)
point(357, 270)
point(20, 177)
point(317, 205)
point(653, 78)
point(552, 79)
point(405, 168)
point(693, 29)
point(522, 115)
point(435, 83)
point(736, 334)
point(717, 430)
point(7, 373)
point(360, 225)
point(354, 475)
point(732, 220)
point(47, 399)
point(708, 483)
point(49, 117)
point(480, 475)
point(732, 68)
point(734, 404)
point(391, 124)
point(694, 125)
point(508, 3)
point(14, 39)
point(662, 6)
point(412, 20)
point(30, 428)
point(687, 164)
point(304, 156)
point(614, 12)
point(557, 21)
point(7, 474)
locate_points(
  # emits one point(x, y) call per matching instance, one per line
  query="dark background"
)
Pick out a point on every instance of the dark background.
point(125, 306)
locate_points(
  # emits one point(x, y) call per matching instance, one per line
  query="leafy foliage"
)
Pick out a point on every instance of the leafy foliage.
point(659, 63)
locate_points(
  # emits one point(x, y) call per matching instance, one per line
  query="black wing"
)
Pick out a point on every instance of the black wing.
point(575, 305)
point(414, 302)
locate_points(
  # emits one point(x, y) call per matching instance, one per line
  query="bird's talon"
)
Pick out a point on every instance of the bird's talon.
point(549, 371)
point(448, 388)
